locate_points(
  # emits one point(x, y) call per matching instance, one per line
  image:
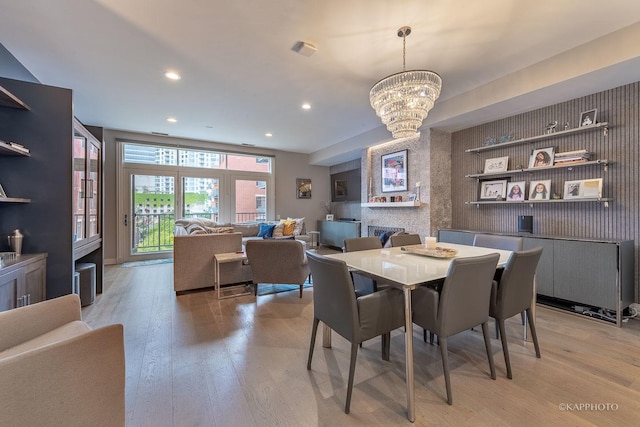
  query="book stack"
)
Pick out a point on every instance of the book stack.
point(571, 157)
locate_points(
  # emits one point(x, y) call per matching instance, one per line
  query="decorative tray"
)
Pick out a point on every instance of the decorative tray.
point(437, 252)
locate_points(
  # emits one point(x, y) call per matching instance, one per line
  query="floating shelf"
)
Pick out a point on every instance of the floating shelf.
point(14, 200)
point(530, 139)
point(515, 171)
point(8, 150)
point(413, 204)
point(532, 202)
point(7, 99)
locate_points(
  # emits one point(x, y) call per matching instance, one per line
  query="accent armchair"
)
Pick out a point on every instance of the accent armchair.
point(56, 370)
point(277, 261)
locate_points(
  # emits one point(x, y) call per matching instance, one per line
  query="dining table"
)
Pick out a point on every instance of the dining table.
point(406, 268)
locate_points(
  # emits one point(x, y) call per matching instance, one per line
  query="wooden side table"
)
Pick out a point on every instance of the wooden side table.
point(224, 258)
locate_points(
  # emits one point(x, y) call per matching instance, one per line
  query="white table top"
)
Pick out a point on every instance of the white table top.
point(410, 269)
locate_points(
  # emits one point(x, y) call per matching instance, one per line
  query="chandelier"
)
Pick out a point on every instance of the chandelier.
point(404, 99)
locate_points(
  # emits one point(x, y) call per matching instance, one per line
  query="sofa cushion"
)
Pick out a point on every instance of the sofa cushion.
point(66, 331)
point(266, 230)
point(219, 230)
point(247, 228)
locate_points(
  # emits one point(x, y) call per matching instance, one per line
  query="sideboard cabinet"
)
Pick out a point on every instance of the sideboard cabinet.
point(23, 281)
point(589, 272)
point(333, 233)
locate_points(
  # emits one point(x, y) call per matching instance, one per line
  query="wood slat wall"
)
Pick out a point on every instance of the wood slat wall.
point(620, 220)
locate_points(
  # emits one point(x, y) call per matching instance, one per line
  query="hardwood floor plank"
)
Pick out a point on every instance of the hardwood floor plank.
point(192, 360)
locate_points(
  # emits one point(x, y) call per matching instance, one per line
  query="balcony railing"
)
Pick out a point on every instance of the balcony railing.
point(154, 232)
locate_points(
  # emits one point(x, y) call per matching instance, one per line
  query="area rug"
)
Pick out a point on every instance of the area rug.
point(149, 262)
point(268, 289)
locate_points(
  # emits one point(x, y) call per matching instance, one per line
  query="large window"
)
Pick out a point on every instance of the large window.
point(173, 182)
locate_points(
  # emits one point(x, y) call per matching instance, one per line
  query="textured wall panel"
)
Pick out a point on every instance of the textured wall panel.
point(617, 106)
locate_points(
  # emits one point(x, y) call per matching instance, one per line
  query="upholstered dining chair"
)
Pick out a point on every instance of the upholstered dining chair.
point(462, 304)
point(277, 261)
point(362, 284)
point(514, 294)
point(405, 240)
point(507, 243)
point(355, 319)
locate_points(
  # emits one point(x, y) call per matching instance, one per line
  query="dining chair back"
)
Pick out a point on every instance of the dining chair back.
point(507, 243)
point(405, 240)
point(462, 304)
point(362, 284)
point(355, 319)
point(514, 294)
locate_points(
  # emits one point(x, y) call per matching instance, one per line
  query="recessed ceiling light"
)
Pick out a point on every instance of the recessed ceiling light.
point(172, 75)
point(172, 120)
point(268, 134)
point(306, 106)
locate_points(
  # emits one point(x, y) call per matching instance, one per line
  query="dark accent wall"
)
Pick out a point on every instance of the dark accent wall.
point(619, 107)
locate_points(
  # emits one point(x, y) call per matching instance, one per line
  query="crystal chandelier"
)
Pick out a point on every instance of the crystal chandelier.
point(404, 99)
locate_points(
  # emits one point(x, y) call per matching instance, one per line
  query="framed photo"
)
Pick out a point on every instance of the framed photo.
point(340, 189)
point(2, 193)
point(303, 188)
point(394, 172)
point(583, 189)
point(493, 189)
point(329, 217)
point(540, 190)
point(542, 157)
point(499, 164)
point(515, 191)
point(588, 117)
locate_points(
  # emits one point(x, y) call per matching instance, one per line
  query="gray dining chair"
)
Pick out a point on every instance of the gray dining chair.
point(357, 319)
point(507, 243)
point(404, 240)
point(514, 294)
point(362, 284)
point(462, 304)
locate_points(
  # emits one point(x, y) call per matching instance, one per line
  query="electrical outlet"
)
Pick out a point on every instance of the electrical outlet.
point(418, 184)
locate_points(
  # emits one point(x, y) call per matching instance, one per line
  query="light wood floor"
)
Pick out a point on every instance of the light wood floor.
point(195, 361)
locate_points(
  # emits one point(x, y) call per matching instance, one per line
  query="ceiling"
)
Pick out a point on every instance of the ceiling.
point(241, 77)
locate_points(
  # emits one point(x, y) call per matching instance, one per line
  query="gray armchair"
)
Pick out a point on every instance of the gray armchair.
point(462, 304)
point(514, 294)
point(356, 319)
point(277, 261)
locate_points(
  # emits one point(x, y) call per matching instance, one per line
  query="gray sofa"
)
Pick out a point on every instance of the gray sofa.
point(195, 242)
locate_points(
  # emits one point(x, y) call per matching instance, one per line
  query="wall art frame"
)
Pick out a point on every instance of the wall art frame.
point(303, 188)
point(394, 170)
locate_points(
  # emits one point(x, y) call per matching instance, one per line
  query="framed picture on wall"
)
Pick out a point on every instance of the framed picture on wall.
point(583, 189)
point(540, 190)
point(493, 189)
point(515, 191)
point(303, 188)
point(542, 157)
point(588, 117)
point(498, 164)
point(394, 172)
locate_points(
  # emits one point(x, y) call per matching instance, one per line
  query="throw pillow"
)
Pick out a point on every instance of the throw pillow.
point(277, 231)
point(384, 237)
point(266, 230)
point(288, 227)
point(299, 227)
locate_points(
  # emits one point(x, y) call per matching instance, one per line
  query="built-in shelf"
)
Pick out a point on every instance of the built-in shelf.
point(410, 204)
point(497, 146)
point(7, 99)
point(516, 171)
point(603, 200)
point(14, 200)
point(8, 150)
